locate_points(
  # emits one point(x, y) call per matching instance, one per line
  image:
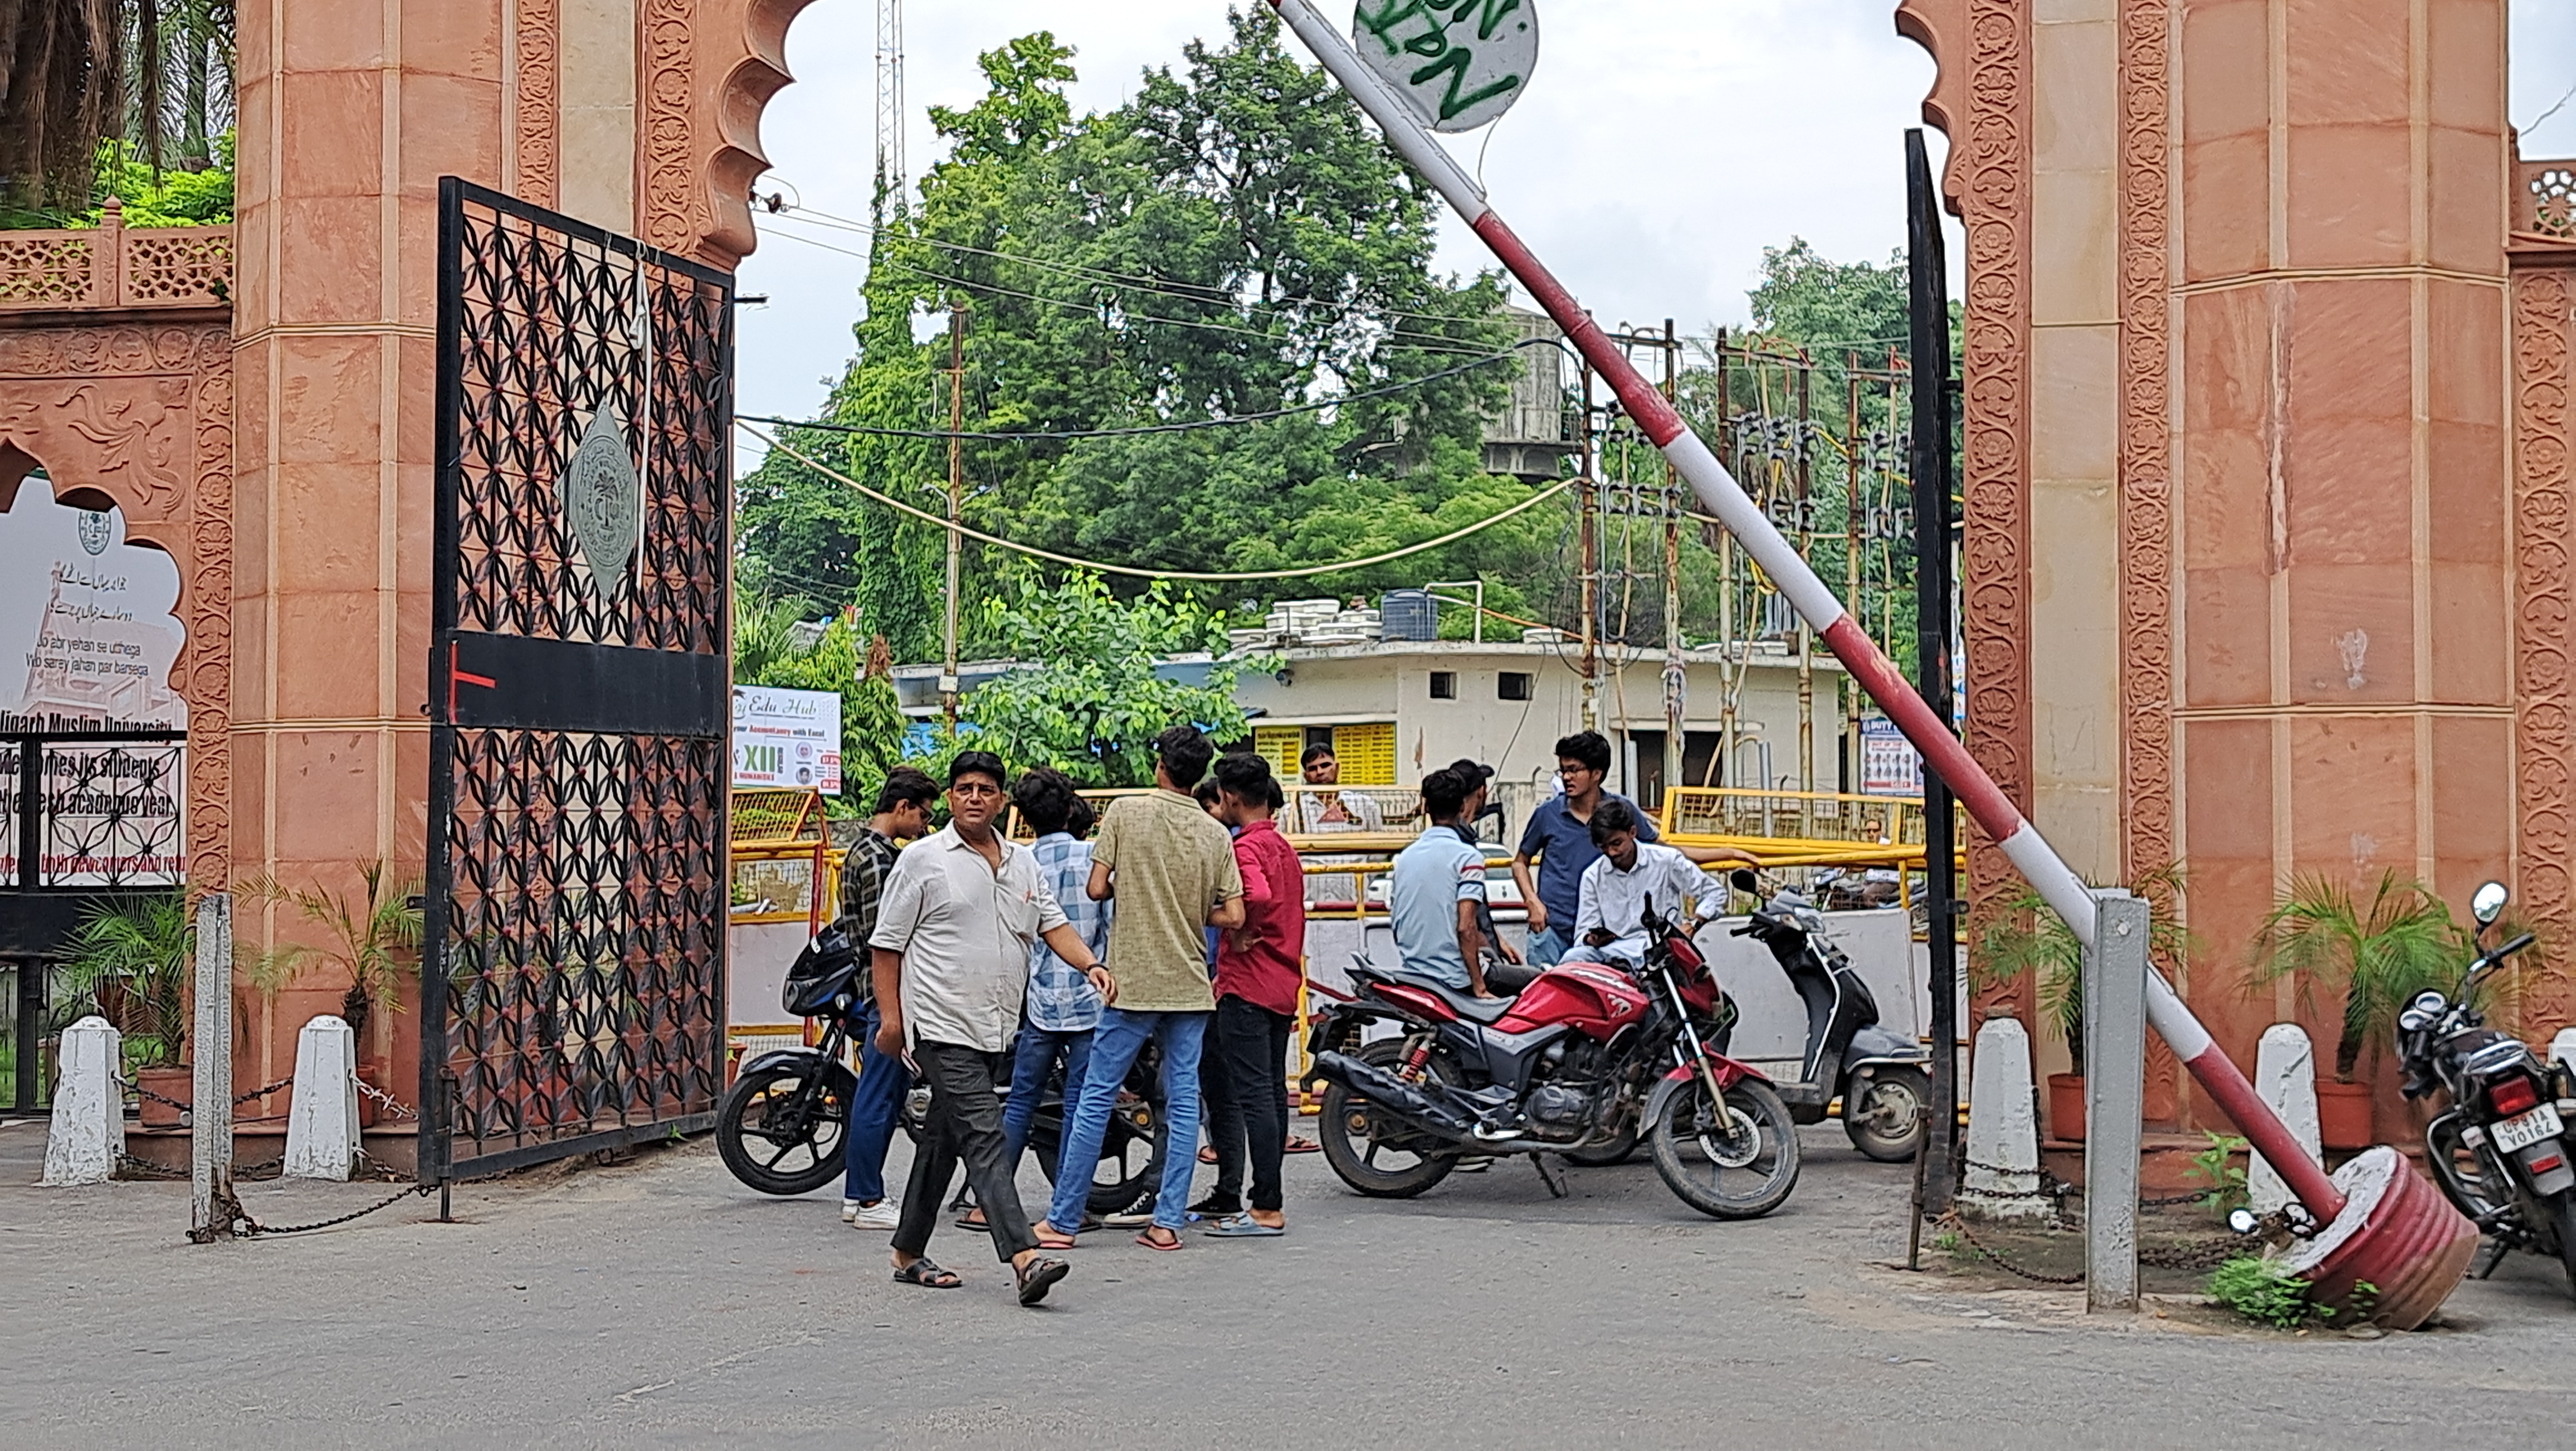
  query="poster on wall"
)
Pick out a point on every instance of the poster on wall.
point(1888, 764)
point(787, 738)
point(88, 636)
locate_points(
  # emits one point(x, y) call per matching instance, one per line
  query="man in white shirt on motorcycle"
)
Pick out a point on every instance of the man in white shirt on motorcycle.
point(1609, 925)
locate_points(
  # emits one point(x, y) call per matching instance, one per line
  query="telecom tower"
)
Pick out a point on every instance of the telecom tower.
point(889, 186)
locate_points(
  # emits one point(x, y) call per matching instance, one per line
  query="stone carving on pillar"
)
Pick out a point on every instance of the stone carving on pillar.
point(539, 116)
point(2146, 466)
point(2541, 541)
point(1981, 98)
point(710, 67)
point(144, 414)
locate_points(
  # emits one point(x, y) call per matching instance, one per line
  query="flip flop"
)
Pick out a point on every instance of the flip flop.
point(1304, 1146)
point(1148, 1241)
point(1038, 1276)
point(1054, 1239)
point(1207, 1155)
point(1243, 1226)
point(927, 1275)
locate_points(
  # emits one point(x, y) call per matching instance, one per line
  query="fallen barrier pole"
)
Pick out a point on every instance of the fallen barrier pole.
point(2395, 1230)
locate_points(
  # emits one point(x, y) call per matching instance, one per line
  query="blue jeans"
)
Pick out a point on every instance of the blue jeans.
point(1038, 1051)
point(1547, 948)
point(1114, 1046)
point(874, 1108)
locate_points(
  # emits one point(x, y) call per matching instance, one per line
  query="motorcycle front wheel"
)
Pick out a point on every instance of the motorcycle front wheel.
point(776, 1138)
point(1738, 1160)
point(1884, 1117)
point(1381, 1157)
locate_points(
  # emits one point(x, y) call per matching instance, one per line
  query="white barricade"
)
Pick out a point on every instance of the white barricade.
point(88, 1132)
point(2003, 1179)
point(322, 1123)
point(2285, 1076)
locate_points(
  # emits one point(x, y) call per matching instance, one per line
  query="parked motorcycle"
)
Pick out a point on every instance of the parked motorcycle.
point(2501, 1150)
point(1884, 1081)
point(779, 1128)
point(1584, 1053)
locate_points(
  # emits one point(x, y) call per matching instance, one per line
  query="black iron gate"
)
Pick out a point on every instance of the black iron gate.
point(573, 965)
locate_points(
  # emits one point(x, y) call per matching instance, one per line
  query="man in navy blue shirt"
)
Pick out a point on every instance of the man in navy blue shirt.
point(1559, 839)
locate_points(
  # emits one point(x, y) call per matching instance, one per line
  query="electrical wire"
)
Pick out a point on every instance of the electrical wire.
point(1227, 576)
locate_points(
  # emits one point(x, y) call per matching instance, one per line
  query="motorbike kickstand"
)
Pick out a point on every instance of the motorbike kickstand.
point(1554, 1179)
point(2496, 1248)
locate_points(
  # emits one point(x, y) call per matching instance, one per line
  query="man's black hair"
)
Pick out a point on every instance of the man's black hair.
point(1248, 777)
point(1045, 798)
point(1611, 817)
point(1443, 793)
point(906, 783)
point(1589, 747)
point(1186, 751)
point(1314, 753)
point(1204, 793)
point(979, 763)
point(1079, 820)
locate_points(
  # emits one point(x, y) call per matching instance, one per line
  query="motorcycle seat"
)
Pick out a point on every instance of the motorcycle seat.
point(1466, 1005)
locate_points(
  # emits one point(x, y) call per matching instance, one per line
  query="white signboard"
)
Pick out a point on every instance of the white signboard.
point(787, 738)
point(1457, 63)
point(88, 629)
point(1888, 764)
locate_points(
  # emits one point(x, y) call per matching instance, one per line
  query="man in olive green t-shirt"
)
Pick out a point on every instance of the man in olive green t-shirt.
point(1171, 868)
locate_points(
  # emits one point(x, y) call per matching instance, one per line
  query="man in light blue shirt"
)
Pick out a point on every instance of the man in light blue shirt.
point(1435, 889)
point(1063, 1006)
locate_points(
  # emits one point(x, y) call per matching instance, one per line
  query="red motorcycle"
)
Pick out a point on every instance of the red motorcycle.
point(1572, 1066)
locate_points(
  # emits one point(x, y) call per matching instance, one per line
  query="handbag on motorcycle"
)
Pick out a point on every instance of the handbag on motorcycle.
point(827, 977)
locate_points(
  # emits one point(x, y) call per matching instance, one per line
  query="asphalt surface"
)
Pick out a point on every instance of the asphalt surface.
point(658, 1303)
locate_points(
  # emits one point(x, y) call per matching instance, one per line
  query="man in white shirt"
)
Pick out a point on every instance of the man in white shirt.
point(952, 967)
point(1609, 924)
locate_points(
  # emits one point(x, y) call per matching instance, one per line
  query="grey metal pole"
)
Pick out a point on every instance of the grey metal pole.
point(2115, 1079)
point(211, 1116)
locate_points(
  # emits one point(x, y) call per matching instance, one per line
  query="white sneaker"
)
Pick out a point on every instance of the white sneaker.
point(849, 1210)
point(880, 1215)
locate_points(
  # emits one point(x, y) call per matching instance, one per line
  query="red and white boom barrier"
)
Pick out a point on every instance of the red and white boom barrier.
point(2394, 1229)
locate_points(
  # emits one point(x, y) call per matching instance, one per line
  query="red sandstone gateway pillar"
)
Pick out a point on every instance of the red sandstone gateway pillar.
point(2396, 1232)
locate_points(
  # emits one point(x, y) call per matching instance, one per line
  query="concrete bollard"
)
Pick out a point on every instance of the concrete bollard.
point(88, 1131)
point(2003, 1130)
point(322, 1123)
point(2285, 1075)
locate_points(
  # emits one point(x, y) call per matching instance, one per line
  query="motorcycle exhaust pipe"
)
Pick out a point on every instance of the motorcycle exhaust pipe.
point(1402, 1099)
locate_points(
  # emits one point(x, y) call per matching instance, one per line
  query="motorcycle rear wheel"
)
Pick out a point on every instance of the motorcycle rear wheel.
point(1120, 1148)
point(1354, 1141)
point(762, 1145)
point(2564, 1214)
point(1887, 1122)
point(1707, 1162)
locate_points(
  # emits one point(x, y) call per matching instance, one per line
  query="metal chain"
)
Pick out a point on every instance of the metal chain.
point(1958, 1226)
point(140, 1091)
point(229, 1212)
point(383, 1099)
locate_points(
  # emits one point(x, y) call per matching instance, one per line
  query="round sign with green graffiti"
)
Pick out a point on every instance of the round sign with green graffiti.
point(1458, 63)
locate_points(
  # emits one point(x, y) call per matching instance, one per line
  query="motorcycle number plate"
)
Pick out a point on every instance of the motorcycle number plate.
point(2525, 1129)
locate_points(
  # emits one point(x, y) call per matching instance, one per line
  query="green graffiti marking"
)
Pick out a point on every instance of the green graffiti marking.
point(1432, 41)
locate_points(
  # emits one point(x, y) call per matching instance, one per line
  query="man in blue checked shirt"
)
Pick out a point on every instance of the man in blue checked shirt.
point(1063, 1006)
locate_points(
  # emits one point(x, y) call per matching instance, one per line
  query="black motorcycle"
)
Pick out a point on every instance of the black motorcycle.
point(2501, 1150)
point(779, 1128)
point(1884, 1081)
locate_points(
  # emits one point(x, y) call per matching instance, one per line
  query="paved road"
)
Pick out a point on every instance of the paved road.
point(657, 1303)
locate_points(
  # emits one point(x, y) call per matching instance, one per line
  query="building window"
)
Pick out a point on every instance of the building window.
point(1513, 685)
point(1444, 685)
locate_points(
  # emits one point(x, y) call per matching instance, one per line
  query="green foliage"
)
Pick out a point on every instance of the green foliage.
point(132, 958)
point(2029, 936)
point(2218, 1167)
point(365, 938)
point(1090, 703)
point(2379, 954)
point(160, 197)
point(766, 651)
point(2264, 1292)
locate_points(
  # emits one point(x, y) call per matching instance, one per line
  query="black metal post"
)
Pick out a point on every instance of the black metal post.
point(31, 1030)
point(1928, 319)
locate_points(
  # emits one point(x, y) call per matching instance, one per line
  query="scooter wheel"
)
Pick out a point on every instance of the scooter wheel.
point(1883, 1114)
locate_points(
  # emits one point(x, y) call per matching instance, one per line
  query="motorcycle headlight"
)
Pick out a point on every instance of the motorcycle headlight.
point(2430, 1004)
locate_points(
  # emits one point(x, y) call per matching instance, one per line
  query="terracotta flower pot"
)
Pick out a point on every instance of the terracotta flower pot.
point(172, 1083)
point(2066, 1107)
point(2343, 1114)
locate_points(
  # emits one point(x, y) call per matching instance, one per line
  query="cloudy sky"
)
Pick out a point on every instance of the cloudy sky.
point(1659, 149)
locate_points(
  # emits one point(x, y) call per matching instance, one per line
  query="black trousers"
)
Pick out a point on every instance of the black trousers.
point(1252, 1042)
point(1220, 1116)
point(965, 1123)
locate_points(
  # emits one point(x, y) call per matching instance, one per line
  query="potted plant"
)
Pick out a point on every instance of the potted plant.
point(132, 958)
point(2030, 937)
point(2378, 954)
point(364, 940)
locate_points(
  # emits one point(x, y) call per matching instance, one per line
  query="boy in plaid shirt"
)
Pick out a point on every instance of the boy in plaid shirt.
point(903, 813)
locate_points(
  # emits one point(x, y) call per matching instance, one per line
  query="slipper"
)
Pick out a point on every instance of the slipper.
point(1243, 1226)
point(1148, 1241)
point(1207, 1154)
point(1304, 1146)
point(1037, 1276)
point(1050, 1238)
point(968, 1220)
point(927, 1275)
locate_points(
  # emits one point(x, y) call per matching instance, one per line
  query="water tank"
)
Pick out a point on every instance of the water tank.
point(1409, 614)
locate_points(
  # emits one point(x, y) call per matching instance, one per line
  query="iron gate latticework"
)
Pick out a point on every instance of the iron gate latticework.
point(573, 963)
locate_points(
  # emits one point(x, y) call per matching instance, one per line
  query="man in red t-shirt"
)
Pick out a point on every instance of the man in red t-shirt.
point(1260, 967)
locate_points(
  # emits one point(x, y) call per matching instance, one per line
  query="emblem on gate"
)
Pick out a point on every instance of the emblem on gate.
point(603, 498)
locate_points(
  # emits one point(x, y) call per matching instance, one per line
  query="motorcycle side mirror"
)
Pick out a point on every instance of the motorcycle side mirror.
point(2243, 1220)
point(1743, 880)
point(2487, 903)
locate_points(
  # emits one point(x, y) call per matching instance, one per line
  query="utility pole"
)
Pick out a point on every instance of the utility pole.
point(1676, 677)
point(1928, 329)
point(890, 158)
point(956, 498)
point(1729, 665)
point(1851, 693)
point(1806, 632)
point(1588, 542)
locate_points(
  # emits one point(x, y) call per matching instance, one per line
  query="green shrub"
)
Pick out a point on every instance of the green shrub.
point(2265, 1292)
